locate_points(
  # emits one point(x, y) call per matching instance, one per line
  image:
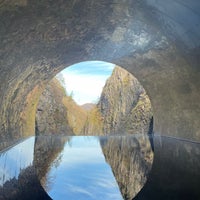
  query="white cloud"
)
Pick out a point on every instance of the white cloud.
point(77, 189)
point(86, 88)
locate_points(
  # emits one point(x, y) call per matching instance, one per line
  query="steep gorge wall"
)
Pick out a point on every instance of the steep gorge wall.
point(51, 116)
point(124, 107)
point(57, 113)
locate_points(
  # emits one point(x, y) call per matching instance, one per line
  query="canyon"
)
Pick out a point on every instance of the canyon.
point(123, 107)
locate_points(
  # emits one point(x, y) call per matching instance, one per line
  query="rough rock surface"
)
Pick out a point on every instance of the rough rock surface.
point(57, 113)
point(51, 116)
point(124, 105)
point(94, 123)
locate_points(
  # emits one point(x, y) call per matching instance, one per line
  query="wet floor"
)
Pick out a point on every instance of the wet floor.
point(91, 167)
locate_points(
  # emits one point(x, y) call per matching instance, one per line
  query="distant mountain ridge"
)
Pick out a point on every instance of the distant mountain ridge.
point(88, 106)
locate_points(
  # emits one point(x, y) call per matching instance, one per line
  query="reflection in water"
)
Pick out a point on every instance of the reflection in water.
point(18, 179)
point(131, 159)
point(82, 172)
point(175, 172)
point(63, 162)
point(47, 152)
point(76, 168)
point(8, 140)
point(15, 159)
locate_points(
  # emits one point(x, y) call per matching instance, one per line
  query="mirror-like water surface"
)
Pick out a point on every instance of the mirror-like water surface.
point(82, 172)
point(76, 167)
point(15, 159)
point(40, 167)
point(80, 167)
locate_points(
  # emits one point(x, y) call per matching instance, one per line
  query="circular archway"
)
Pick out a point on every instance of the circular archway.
point(94, 98)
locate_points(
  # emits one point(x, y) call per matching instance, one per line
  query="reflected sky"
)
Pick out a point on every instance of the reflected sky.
point(83, 173)
point(175, 172)
point(15, 159)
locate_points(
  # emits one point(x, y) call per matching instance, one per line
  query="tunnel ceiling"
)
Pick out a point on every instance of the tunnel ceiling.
point(158, 41)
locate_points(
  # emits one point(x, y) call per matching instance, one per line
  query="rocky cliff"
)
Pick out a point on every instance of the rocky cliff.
point(94, 123)
point(51, 115)
point(57, 112)
point(76, 115)
point(124, 104)
point(124, 107)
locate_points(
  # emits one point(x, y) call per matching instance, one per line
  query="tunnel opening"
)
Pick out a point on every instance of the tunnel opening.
point(94, 98)
point(120, 116)
point(157, 40)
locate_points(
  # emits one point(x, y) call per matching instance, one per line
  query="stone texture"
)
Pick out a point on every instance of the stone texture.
point(57, 112)
point(124, 105)
point(156, 41)
point(51, 115)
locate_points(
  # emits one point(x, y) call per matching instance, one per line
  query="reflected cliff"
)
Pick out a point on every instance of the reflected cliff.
point(8, 141)
point(93, 167)
point(80, 172)
point(175, 172)
point(76, 167)
point(131, 159)
point(48, 153)
point(113, 167)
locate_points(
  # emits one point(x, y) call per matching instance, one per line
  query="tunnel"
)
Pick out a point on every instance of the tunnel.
point(157, 41)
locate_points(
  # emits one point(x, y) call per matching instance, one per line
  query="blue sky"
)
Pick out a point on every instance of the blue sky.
point(15, 159)
point(86, 80)
point(83, 173)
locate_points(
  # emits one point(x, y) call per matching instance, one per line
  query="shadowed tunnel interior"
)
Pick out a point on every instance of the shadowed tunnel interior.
point(157, 41)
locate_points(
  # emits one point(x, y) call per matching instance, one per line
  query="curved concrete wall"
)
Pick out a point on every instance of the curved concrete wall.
point(158, 41)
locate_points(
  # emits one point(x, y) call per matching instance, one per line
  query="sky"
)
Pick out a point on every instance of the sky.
point(85, 80)
point(15, 159)
point(83, 173)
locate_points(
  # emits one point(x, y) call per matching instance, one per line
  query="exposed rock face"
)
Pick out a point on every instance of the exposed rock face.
point(94, 123)
point(124, 105)
point(131, 159)
point(76, 116)
point(57, 112)
point(51, 117)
